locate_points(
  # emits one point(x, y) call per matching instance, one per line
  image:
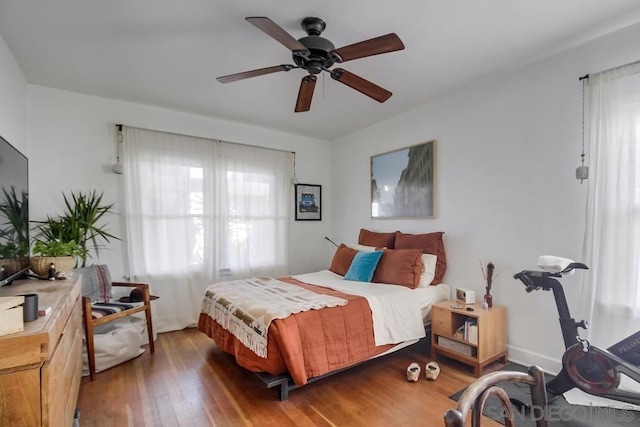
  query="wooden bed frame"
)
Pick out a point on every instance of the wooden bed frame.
point(286, 384)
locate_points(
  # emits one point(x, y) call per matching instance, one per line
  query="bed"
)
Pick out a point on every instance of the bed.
point(351, 322)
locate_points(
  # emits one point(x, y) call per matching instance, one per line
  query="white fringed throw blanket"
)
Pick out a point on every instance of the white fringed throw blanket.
point(246, 307)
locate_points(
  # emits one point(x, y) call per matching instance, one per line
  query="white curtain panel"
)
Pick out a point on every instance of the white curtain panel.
point(200, 211)
point(611, 297)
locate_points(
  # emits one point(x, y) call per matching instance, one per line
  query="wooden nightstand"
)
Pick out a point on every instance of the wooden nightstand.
point(477, 349)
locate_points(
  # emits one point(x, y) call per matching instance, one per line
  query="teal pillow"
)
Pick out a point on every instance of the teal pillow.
point(363, 266)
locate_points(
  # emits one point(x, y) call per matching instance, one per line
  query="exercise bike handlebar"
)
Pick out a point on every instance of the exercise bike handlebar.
point(531, 279)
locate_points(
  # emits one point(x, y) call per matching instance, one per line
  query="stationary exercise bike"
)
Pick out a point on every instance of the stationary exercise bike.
point(591, 369)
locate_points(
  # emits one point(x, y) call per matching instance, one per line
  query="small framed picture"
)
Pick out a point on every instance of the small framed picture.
point(308, 202)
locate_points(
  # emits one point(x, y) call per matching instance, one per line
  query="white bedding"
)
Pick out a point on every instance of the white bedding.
point(397, 311)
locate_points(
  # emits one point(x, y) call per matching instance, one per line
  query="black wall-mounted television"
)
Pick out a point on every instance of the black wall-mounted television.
point(14, 213)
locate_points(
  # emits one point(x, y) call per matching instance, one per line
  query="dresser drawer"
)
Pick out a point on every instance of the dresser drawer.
point(61, 375)
point(20, 394)
point(440, 324)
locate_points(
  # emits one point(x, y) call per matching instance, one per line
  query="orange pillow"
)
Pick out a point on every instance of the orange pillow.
point(379, 240)
point(342, 259)
point(399, 267)
point(429, 243)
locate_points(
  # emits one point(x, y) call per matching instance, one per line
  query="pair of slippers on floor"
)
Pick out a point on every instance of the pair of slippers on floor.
point(431, 371)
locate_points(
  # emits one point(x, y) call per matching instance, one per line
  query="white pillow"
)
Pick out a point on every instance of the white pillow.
point(428, 270)
point(362, 248)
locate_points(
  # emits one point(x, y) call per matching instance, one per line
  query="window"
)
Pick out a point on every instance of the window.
point(199, 211)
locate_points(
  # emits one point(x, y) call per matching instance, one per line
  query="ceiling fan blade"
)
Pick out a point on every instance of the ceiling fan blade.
point(305, 94)
point(254, 73)
point(275, 31)
point(361, 85)
point(383, 44)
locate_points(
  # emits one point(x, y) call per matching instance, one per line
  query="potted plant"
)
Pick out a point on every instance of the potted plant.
point(77, 231)
point(83, 215)
point(61, 254)
point(14, 231)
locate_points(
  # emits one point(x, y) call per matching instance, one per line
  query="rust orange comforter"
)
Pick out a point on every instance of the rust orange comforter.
point(307, 344)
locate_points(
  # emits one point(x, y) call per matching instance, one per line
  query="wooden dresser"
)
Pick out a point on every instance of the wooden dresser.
point(41, 367)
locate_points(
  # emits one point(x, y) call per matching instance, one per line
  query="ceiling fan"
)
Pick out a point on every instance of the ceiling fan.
point(315, 54)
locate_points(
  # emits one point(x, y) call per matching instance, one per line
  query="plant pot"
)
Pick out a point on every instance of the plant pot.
point(40, 264)
point(13, 265)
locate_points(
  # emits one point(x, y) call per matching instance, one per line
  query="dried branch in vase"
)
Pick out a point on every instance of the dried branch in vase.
point(488, 274)
point(490, 268)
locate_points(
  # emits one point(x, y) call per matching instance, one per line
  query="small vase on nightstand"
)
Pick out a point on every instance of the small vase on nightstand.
point(487, 303)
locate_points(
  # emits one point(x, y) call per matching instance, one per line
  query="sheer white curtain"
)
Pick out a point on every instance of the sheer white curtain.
point(199, 211)
point(612, 236)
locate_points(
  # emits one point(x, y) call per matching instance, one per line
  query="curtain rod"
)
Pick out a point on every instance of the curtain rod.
point(586, 76)
point(119, 127)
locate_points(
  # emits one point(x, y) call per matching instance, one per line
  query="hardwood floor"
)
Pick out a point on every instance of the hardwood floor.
point(190, 382)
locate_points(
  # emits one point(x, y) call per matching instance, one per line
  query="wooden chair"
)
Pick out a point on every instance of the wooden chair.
point(97, 308)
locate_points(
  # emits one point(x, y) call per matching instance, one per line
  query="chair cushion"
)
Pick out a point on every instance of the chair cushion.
point(96, 282)
point(101, 309)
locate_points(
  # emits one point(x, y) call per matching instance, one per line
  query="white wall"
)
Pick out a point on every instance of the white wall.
point(507, 151)
point(13, 101)
point(73, 144)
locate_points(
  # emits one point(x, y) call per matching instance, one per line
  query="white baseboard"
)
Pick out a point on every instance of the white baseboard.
point(528, 358)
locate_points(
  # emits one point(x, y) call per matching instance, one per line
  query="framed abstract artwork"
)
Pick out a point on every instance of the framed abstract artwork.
point(308, 202)
point(403, 182)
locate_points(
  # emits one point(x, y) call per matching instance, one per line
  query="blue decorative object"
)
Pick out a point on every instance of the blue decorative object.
point(363, 266)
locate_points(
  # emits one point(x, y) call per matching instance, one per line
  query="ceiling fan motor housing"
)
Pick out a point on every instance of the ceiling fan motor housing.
point(318, 58)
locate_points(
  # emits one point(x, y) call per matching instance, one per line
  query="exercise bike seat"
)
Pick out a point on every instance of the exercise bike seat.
point(559, 265)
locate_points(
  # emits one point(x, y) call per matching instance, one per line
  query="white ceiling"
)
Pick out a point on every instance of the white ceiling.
point(168, 53)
